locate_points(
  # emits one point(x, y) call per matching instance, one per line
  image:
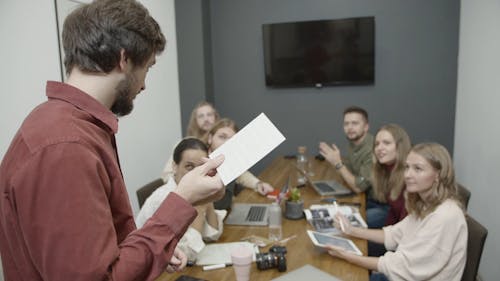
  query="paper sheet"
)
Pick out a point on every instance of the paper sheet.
point(220, 253)
point(247, 147)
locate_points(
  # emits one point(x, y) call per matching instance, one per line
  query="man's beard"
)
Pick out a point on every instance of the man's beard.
point(206, 127)
point(355, 138)
point(124, 103)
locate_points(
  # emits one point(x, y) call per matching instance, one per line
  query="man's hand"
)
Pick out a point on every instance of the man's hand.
point(202, 184)
point(264, 188)
point(331, 153)
point(177, 262)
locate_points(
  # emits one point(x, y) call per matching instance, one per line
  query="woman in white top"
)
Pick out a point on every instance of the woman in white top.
point(431, 242)
point(208, 225)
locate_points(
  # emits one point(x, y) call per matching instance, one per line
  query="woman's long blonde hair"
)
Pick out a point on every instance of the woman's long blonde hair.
point(391, 183)
point(445, 188)
point(222, 123)
point(193, 130)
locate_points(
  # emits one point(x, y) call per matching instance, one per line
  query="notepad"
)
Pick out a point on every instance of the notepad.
point(247, 147)
point(220, 253)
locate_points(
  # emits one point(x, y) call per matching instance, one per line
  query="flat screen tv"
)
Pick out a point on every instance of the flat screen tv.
point(320, 53)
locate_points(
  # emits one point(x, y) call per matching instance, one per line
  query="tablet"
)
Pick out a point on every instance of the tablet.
point(321, 240)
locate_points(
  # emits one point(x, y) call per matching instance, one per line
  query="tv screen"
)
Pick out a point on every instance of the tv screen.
point(320, 53)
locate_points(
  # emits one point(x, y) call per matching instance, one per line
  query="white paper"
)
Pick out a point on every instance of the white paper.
point(247, 147)
point(220, 253)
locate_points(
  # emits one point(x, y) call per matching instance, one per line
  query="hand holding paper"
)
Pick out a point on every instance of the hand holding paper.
point(247, 147)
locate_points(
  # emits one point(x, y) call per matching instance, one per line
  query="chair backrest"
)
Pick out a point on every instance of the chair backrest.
point(144, 192)
point(475, 244)
point(463, 194)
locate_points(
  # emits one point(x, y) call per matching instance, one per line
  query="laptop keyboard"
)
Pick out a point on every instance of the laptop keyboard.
point(324, 187)
point(256, 213)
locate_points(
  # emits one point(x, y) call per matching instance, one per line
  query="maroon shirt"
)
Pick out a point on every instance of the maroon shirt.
point(64, 211)
point(397, 210)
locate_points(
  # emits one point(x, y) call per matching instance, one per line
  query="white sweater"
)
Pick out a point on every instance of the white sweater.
point(432, 248)
point(192, 241)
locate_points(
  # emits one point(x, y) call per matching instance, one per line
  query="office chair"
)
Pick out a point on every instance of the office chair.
point(464, 195)
point(475, 244)
point(144, 192)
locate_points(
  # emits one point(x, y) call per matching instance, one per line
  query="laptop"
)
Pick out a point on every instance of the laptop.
point(327, 187)
point(252, 214)
point(306, 272)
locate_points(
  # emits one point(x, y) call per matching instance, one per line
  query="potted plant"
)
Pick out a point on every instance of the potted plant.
point(294, 206)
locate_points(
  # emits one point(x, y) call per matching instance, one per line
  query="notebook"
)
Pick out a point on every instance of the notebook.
point(220, 253)
point(252, 214)
point(307, 272)
point(326, 187)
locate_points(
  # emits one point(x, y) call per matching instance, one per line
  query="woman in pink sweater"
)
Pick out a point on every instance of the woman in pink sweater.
point(431, 242)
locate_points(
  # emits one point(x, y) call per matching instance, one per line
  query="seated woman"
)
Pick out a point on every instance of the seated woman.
point(223, 130)
point(390, 148)
point(431, 242)
point(208, 225)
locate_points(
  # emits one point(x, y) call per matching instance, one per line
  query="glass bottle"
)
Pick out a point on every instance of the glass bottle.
point(302, 165)
point(275, 222)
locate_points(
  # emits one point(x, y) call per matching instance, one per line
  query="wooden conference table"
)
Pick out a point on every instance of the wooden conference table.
point(301, 251)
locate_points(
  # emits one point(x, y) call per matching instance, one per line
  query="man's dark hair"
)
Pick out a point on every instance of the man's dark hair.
point(94, 35)
point(357, 109)
point(188, 143)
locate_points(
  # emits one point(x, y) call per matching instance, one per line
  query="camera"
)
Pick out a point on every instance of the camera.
point(274, 258)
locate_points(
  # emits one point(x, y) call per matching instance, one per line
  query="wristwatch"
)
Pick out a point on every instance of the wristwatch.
point(339, 165)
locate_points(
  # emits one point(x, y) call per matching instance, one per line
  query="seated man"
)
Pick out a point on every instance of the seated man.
point(357, 167)
point(203, 117)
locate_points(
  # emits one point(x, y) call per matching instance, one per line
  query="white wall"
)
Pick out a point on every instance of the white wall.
point(477, 128)
point(29, 56)
point(146, 137)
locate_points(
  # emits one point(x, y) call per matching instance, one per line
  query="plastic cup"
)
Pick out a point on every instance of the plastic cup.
point(242, 261)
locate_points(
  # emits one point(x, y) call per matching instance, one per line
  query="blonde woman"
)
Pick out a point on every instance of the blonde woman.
point(431, 242)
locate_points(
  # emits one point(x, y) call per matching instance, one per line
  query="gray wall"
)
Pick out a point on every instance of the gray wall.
point(194, 54)
point(416, 65)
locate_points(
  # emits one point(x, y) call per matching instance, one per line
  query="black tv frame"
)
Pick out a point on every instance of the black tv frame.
point(319, 53)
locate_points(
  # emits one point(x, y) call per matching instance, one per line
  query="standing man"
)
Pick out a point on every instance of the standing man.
point(64, 211)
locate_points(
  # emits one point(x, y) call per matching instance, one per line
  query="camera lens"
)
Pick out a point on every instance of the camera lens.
point(265, 261)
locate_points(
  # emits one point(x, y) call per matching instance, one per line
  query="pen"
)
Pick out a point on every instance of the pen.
point(216, 266)
point(340, 220)
point(287, 239)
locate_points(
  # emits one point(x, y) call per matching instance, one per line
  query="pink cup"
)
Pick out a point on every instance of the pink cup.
point(242, 261)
